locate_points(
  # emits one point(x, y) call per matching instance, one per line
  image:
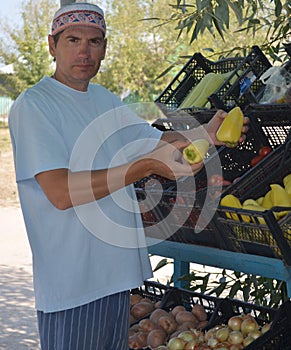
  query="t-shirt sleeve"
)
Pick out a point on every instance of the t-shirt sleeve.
point(37, 142)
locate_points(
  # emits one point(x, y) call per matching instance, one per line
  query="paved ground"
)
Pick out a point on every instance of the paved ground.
point(17, 315)
point(18, 330)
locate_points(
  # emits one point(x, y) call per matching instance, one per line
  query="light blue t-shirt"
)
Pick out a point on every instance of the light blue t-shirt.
point(92, 250)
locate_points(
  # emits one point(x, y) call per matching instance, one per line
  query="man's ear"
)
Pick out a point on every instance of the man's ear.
point(52, 46)
point(105, 47)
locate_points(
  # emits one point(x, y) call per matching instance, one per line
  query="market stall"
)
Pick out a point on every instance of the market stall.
point(188, 220)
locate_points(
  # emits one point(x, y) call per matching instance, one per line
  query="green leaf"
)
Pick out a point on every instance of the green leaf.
point(234, 289)
point(222, 12)
point(278, 8)
point(161, 264)
point(237, 9)
point(218, 28)
point(218, 290)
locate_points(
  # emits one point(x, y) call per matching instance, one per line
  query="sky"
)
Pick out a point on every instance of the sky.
point(10, 8)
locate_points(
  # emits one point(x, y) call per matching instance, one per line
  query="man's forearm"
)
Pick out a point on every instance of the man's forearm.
point(66, 189)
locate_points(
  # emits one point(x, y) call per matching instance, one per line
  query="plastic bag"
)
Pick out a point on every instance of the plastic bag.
point(277, 81)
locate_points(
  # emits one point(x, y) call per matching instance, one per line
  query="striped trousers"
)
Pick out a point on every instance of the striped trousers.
point(100, 325)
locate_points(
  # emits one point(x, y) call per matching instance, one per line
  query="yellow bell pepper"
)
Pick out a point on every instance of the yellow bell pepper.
point(287, 184)
point(260, 200)
point(267, 200)
point(196, 151)
point(255, 207)
point(280, 198)
point(287, 180)
point(231, 201)
point(229, 131)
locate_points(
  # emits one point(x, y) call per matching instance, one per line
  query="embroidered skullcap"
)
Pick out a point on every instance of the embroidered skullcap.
point(78, 13)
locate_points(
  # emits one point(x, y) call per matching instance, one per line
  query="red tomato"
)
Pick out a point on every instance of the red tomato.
point(256, 160)
point(264, 151)
point(218, 180)
point(215, 180)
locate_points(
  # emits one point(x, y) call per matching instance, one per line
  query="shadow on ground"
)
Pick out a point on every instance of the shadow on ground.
point(18, 325)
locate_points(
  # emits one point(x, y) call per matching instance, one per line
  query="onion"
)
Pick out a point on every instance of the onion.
point(176, 344)
point(191, 345)
point(235, 337)
point(212, 342)
point(236, 347)
point(234, 323)
point(248, 325)
point(187, 336)
point(222, 334)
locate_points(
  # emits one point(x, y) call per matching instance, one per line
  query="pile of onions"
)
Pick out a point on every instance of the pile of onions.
point(239, 332)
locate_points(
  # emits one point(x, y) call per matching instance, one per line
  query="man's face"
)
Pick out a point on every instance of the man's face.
point(78, 53)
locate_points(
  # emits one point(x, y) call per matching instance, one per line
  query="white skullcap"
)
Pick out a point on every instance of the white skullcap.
point(78, 13)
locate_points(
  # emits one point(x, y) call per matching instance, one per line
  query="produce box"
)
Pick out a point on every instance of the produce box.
point(247, 87)
point(220, 310)
point(271, 121)
point(179, 297)
point(151, 290)
point(241, 88)
point(232, 307)
point(189, 76)
point(183, 120)
point(173, 211)
point(256, 232)
point(279, 335)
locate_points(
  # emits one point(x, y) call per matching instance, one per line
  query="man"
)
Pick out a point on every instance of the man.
point(77, 153)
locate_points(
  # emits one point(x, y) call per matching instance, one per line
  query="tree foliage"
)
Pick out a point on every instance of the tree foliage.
point(272, 18)
point(147, 49)
point(26, 47)
point(138, 49)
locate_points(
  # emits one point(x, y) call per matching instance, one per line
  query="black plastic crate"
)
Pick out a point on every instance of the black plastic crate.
point(241, 88)
point(220, 310)
point(173, 211)
point(151, 290)
point(272, 121)
point(279, 335)
point(277, 338)
point(189, 76)
point(247, 87)
point(184, 119)
point(187, 298)
point(263, 234)
point(177, 296)
point(232, 307)
point(168, 214)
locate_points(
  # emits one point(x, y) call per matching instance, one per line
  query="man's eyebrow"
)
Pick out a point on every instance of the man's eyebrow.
point(72, 36)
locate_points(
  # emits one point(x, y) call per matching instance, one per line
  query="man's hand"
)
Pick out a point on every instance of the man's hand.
point(167, 161)
point(213, 125)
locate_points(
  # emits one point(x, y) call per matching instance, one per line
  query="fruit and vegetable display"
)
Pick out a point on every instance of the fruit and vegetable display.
point(276, 195)
point(154, 328)
point(238, 333)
